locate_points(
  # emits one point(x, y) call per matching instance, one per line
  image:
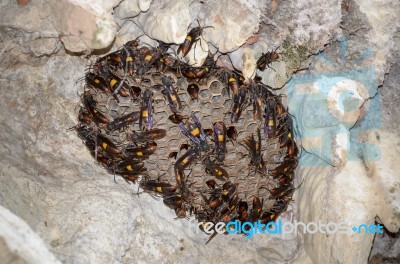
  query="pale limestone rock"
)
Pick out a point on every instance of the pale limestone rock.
point(32, 23)
point(96, 28)
point(384, 19)
point(337, 196)
point(130, 31)
point(249, 67)
point(354, 193)
point(276, 75)
point(233, 23)
point(385, 174)
point(131, 8)
point(244, 60)
point(20, 241)
point(167, 21)
point(313, 23)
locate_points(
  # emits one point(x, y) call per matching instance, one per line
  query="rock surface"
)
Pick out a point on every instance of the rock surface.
point(48, 178)
point(19, 244)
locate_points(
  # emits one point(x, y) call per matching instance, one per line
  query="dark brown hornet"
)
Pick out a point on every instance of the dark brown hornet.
point(165, 62)
point(128, 167)
point(169, 91)
point(238, 104)
point(150, 135)
point(270, 118)
point(192, 37)
point(199, 72)
point(146, 119)
point(128, 60)
point(177, 203)
point(181, 164)
point(220, 141)
point(215, 170)
point(176, 118)
point(281, 191)
point(286, 138)
point(91, 106)
point(255, 152)
point(234, 82)
point(256, 99)
point(158, 187)
point(97, 82)
point(118, 86)
point(272, 214)
point(286, 166)
point(266, 59)
point(88, 136)
point(123, 121)
point(256, 209)
point(150, 56)
point(143, 152)
point(130, 56)
point(113, 60)
point(107, 145)
point(84, 116)
point(196, 134)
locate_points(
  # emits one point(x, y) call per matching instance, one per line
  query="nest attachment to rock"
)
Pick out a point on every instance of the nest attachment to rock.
point(210, 143)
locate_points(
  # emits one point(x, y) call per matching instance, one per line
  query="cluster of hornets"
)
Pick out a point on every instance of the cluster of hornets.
point(140, 100)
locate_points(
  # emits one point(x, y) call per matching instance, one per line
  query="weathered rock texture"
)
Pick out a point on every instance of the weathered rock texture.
point(48, 178)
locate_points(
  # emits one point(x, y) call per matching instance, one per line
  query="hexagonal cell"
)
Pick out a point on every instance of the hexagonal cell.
point(124, 100)
point(153, 173)
point(174, 145)
point(146, 82)
point(248, 115)
point(123, 110)
point(187, 172)
point(252, 127)
point(184, 97)
point(182, 83)
point(113, 114)
point(197, 169)
point(160, 119)
point(159, 104)
point(216, 99)
point(198, 113)
point(205, 95)
point(241, 122)
point(156, 76)
point(207, 122)
point(216, 88)
point(217, 113)
point(163, 151)
point(100, 96)
point(231, 156)
point(228, 103)
point(194, 103)
point(186, 110)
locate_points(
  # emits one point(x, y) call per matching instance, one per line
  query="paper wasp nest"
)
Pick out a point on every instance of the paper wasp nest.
point(209, 143)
